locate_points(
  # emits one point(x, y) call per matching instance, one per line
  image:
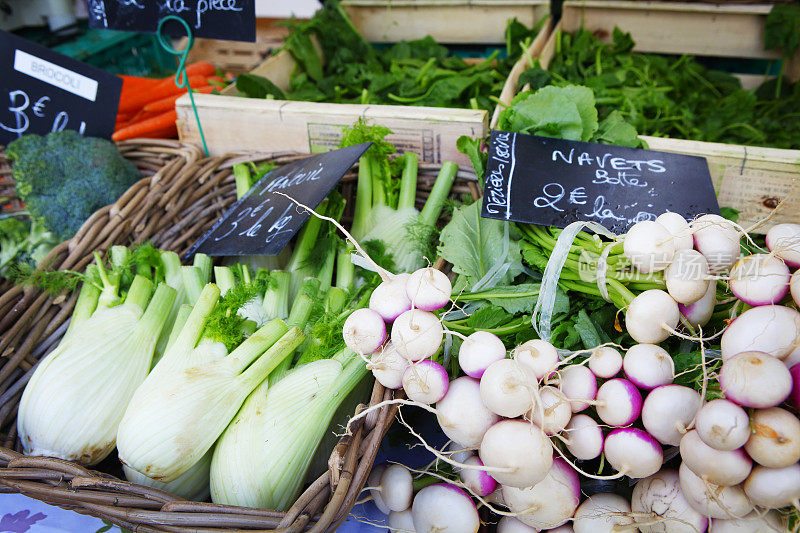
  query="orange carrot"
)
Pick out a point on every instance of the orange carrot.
point(170, 132)
point(165, 104)
point(165, 88)
point(201, 68)
point(145, 127)
point(137, 81)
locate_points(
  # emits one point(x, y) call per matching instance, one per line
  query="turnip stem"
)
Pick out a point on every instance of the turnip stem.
point(441, 190)
point(408, 183)
point(140, 291)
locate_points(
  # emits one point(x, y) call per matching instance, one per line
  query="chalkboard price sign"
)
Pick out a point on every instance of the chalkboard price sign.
point(232, 20)
point(262, 222)
point(44, 91)
point(553, 182)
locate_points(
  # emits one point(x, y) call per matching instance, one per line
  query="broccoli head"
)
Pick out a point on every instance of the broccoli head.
point(64, 177)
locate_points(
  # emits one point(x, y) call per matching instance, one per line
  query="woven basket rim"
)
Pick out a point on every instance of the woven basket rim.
point(31, 323)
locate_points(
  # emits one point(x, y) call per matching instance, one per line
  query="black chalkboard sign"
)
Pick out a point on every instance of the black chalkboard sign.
point(262, 222)
point(44, 91)
point(553, 182)
point(232, 20)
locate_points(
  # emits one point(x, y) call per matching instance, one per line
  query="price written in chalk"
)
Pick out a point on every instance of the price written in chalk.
point(554, 182)
point(45, 91)
point(264, 220)
point(218, 19)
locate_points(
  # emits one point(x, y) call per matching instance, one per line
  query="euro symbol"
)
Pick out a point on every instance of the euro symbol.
point(39, 106)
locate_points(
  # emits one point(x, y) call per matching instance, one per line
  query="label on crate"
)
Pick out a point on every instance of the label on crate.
point(45, 91)
point(264, 220)
point(553, 182)
point(231, 20)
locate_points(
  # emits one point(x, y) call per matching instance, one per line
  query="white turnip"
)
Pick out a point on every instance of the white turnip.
point(550, 502)
point(396, 487)
point(713, 501)
point(507, 388)
point(773, 329)
point(679, 228)
point(604, 513)
point(509, 524)
point(668, 410)
point(759, 279)
point(651, 316)
point(417, 334)
point(633, 452)
point(648, 366)
point(619, 402)
point(718, 240)
point(364, 331)
point(723, 425)
point(389, 299)
point(552, 411)
point(605, 362)
point(724, 468)
point(539, 356)
point(425, 382)
point(578, 383)
point(659, 506)
point(774, 487)
point(755, 522)
point(478, 351)
point(649, 246)
point(755, 379)
point(584, 437)
point(774, 438)
point(699, 312)
point(428, 289)
point(687, 277)
point(518, 452)
point(444, 508)
point(374, 482)
point(783, 240)
point(478, 481)
point(461, 413)
point(388, 366)
point(402, 522)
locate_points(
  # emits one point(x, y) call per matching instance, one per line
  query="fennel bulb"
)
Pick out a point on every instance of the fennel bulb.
point(263, 456)
point(74, 402)
point(192, 484)
point(194, 391)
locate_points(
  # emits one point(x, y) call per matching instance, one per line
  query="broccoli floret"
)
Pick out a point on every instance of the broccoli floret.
point(64, 177)
point(13, 238)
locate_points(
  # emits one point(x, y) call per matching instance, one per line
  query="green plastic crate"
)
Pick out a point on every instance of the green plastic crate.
point(120, 52)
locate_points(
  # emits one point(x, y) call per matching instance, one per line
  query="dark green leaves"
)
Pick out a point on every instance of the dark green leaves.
point(254, 86)
point(782, 29)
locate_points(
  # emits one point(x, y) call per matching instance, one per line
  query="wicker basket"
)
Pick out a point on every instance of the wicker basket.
point(171, 209)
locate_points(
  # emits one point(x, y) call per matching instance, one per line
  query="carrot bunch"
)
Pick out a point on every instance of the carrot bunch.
point(147, 105)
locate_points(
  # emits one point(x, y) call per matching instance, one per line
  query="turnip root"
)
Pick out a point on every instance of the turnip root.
point(478, 481)
point(712, 500)
point(755, 522)
point(783, 240)
point(402, 522)
point(584, 437)
point(659, 506)
point(668, 410)
point(679, 228)
point(774, 438)
point(389, 299)
point(724, 468)
point(605, 362)
point(578, 383)
point(619, 402)
point(364, 331)
point(649, 246)
point(509, 524)
point(774, 487)
point(444, 508)
point(552, 411)
point(507, 388)
point(478, 351)
point(755, 379)
point(633, 452)
point(687, 277)
point(396, 486)
point(539, 356)
point(518, 452)
point(648, 366)
point(425, 382)
point(604, 513)
point(773, 329)
point(723, 425)
point(699, 312)
point(759, 279)
point(461, 413)
point(550, 502)
point(651, 316)
point(718, 240)
point(428, 289)
point(417, 334)
point(388, 366)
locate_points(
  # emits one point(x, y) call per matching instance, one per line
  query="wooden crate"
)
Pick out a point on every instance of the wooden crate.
point(232, 123)
point(751, 179)
point(447, 21)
